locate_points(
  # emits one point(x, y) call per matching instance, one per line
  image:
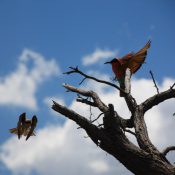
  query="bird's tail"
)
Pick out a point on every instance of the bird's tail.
point(25, 133)
point(13, 131)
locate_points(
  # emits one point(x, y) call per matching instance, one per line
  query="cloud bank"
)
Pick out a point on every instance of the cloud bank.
point(19, 87)
point(98, 55)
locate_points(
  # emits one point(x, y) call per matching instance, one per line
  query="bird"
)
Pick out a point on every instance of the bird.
point(25, 126)
point(132, 60)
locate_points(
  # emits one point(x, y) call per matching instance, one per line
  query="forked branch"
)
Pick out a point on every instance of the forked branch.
point(80, 120)
point(92, 130)
point(155, 85)
point(85, 100)
point(168, 149)
point(97, 102)
point(76, 70)
point(158, 98)
point(95, 97)
point(131, 102)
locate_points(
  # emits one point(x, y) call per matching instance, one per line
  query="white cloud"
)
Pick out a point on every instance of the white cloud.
point(56, 150)
point(98, 55)
point(99, 166)
point(19, 87)
point(64, 150)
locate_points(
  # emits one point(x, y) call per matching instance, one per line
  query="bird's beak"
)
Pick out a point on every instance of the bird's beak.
point(108, 62)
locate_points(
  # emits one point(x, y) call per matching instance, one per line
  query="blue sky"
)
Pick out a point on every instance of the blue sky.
point(66, 32)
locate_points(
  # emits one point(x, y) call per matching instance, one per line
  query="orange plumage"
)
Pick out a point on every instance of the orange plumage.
point(133, 61)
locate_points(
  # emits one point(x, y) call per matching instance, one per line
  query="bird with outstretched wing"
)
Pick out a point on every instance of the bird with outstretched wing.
point(25, 126)
point(132, 60)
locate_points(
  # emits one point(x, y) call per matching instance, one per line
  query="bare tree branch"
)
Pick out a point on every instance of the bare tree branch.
point(82, 81)
point(97, 117)
point(92, 130)
point(80, 120)
point(172, 86)
point(156, 99)
point(86, 101)
point(76, 70)
point(98, 103)
point(142, 133)
point(170, 148)
point(92, 94)
point(129, 131)
point(131, 103)
point(154, 81)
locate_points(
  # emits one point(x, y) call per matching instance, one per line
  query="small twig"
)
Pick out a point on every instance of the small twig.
point(129, 131)
point(97, 101)
point(82, 100)
point(113, 79)
point(82, 81)
point(100, 125)
point(97, 117)
point(85, 100)
point(172, 86)
point(154, 81)
point(76, 70)
point(170, 148)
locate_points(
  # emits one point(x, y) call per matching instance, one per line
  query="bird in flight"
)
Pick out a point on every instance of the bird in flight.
point(25, 126)
point(132, 60)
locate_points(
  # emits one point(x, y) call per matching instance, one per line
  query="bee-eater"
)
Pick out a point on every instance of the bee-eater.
point(133, 61)
point(25, 126)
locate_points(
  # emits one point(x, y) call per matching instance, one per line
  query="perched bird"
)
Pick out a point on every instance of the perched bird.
point(25, 126)
point(133, 61)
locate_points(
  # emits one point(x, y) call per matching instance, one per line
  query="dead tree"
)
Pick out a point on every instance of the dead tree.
point(141, 159)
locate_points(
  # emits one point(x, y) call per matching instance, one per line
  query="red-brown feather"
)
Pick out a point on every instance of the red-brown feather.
point(131, 60)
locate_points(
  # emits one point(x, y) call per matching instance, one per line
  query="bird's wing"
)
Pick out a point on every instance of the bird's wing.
point(26, 132)
point(33, 126)
point(138, 58)
point(20, 123)
point(125, 59)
